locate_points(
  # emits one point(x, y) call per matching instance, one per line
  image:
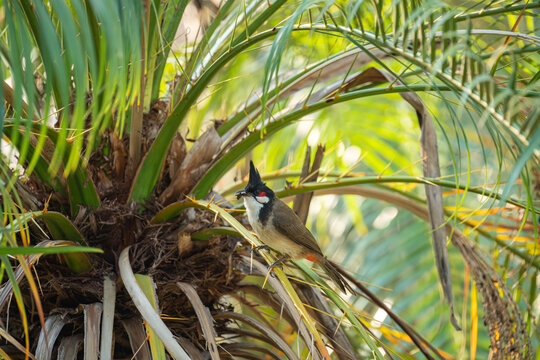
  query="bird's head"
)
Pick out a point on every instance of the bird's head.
point(256, 188)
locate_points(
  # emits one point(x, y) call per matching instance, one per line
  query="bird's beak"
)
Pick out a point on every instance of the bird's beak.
point(240, 194)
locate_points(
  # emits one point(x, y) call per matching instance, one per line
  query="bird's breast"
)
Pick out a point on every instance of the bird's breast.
point(253, 207)
point(268, 233)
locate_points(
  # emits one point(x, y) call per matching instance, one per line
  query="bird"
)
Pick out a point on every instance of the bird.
point(279, 228)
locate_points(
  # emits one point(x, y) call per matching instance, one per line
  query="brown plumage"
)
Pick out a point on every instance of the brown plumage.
point(289, 224)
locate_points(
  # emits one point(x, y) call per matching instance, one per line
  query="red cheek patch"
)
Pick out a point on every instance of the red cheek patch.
point(262, 193)
point(312, 258)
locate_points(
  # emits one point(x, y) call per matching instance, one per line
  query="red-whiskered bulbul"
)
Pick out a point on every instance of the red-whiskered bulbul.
point(278, 226)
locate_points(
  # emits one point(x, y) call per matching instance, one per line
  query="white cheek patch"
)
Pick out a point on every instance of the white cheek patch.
point(252, 206)
point(251, 203)
point(262, 199)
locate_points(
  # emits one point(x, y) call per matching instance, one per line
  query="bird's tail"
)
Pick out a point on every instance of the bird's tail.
point(334, 272)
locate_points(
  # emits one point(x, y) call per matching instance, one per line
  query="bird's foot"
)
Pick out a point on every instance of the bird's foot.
point(278, 263)
point(256, 249)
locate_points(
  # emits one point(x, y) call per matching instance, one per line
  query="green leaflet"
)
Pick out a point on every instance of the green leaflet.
point(62, 229)
point(29, 250)
point(148, 287)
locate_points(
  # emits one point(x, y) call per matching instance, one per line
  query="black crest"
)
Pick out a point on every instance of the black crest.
point(255, 184)
point(255, 180)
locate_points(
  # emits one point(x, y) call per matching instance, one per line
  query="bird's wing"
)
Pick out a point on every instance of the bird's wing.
point(289, 224)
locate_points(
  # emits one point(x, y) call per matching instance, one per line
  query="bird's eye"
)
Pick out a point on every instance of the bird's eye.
point(261, 194)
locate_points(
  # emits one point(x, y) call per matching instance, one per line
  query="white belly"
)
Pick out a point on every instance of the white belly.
point(268, 233)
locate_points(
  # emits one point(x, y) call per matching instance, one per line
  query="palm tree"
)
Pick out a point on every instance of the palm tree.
point(113, 159)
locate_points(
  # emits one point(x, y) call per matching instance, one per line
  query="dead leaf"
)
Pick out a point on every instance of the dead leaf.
point(104, 184)
point(185, 244)
point(177, 153)
point(302, 201)
point(119, 153)
point(194, 166)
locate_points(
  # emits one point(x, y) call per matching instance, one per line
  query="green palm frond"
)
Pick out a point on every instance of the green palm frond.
point(56, 80)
